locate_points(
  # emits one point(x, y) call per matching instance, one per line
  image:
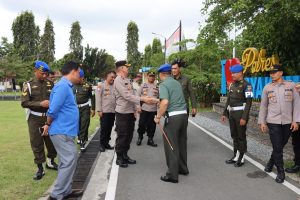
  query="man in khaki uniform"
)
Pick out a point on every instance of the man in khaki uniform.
point(35, 98)
point(148, 112)
point(186, 85)
point(279, 112)
point(105, 107)
point(126, 105)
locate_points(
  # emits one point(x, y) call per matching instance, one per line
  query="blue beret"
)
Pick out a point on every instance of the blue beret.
point(165, 68)
point(42, 66)
point(81, 73)
point(236, 68)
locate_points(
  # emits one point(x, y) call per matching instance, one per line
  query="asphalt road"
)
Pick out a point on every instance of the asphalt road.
point(209, 179)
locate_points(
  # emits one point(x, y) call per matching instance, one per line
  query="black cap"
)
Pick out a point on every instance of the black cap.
point(179, 62)
point(122, 63)
point(151, 73)
point(276, 68)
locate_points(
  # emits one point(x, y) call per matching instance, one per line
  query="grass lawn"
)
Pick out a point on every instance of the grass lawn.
point(16, 159)
point(10, 93)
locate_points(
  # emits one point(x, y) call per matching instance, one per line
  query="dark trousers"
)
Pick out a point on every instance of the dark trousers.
point(279, 135)
point(107, 122)
point(146, 123)
point(238, 132)
point(37, 141)
point(125, 129)
point(84, 122)
point(296, 146)
point(176, 130)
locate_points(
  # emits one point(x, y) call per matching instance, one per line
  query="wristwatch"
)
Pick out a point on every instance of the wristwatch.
point(46, 123)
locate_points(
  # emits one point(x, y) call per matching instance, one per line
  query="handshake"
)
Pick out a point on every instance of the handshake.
point(149, 100)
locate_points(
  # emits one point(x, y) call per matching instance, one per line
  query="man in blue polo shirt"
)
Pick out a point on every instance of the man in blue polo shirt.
point(62, 125)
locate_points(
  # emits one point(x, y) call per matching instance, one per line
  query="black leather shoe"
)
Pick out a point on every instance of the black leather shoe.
point(51, 198)
point(184, 173)
point(107, 146)
point(293, 169)
point(129, 160)
point(238, 164)
point(50, 164)
point(269, 166)
point(168, 179)
point(139, 141)
point(240, 161)
point(230, 161)
point(74, 194)
point(122, 163)
point(151, 143)
point(39, 174)
point(280, 177)
point(102, 148)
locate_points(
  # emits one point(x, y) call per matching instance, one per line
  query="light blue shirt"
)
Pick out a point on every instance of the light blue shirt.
point(63, 110)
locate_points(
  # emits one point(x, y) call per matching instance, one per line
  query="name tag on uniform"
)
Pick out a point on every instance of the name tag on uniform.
point(249, 94)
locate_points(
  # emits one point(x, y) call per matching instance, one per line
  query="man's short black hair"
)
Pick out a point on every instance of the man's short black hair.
point(179, 62)
point(68, 67)
point(110, 72)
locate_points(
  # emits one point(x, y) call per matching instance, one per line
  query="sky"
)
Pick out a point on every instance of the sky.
point(104, 22)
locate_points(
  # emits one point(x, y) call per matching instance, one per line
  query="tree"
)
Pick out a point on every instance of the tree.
point(133, 55)
point(76, 47)
point(25, 36)
point(269, 24)
point(47, 45)
point(157, 57)
point(156, 46)
point(5, 47)
point(147, 55)
point(96, 62)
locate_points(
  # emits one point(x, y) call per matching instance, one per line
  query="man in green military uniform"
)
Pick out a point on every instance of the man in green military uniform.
point(35, 98)
point(173, 107)
point(186, 85)
point(84, 93)
point(237, 108)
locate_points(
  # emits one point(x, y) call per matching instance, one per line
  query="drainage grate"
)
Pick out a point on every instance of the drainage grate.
point(85, 163)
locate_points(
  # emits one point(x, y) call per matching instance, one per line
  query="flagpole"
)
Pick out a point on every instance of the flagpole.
point(180, 35)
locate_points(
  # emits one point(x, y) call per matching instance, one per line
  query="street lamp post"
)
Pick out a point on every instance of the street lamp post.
point(165, 49)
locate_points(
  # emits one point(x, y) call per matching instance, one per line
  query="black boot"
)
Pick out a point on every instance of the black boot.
point(40, 173)
point(293, 169)
point(151, 142)
point(231, 160)
point(280, 175)
point(128, 160)
point(120, 160)
point(50, 164)
point(240, 161)
point(102, 148)
point(269, 166)
point(107, 146)
point(139, 141)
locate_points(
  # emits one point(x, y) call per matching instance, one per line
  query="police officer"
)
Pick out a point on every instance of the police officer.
point(105, 107)
point(237, 108)
point(296, 146)
point(126, 105)
point(35, 98)
point(185, 83)
point(279, 112)
point(148, 112)
point(84, 93)
point(173, 107)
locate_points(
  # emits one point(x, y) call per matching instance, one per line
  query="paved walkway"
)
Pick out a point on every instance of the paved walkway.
point(210, 177)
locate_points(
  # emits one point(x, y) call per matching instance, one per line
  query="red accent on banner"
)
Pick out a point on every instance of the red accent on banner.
point(228, 64)
point(174, 38)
